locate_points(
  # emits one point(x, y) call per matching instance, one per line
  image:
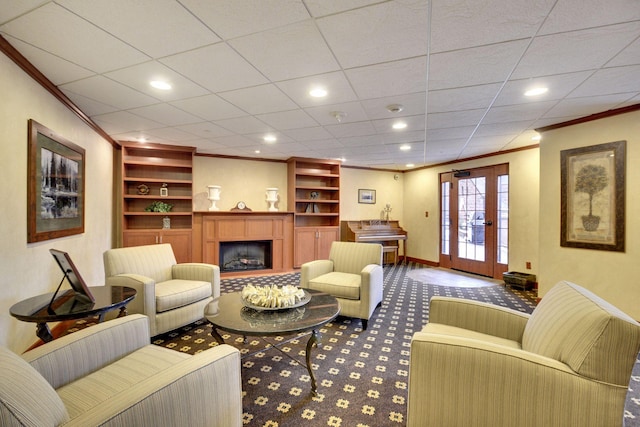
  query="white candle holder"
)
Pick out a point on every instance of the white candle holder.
point(272, 198)
point(214, 196)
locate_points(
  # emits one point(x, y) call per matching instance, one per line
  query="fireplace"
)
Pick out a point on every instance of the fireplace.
point(245, 255)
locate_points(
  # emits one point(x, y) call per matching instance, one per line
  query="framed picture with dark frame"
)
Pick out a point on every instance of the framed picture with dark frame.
point(367, 196)
point(55, 185)
point(593, 197)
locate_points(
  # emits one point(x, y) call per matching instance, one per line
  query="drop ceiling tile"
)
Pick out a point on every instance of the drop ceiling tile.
point(345, 130)
point(330, 7)
point(216, 67)
point(559, 85)
point(464, 98)
point(230, 19)
point(64, 34)
point(205, 130)
point(166, 114)
point(459, 132)
point(155, 27)
point(209, 107)
point(308, 134)
point(389, 79)
point(170, 134)
point(474, 66)
point(123, 121)
point(404, 137)
point(412, 104)
point(588, 50)
point(281, 138)
point(234, 141)
point(284, 120)
point(610, 80)
point(588, 105)
point(570, 15)
point(414, 123)
point(628, 56)
point(12, 9)
point(297, 50)
point(139, 76)
point(338, 87)
point(259, 99)
point(360, 141)
point(109, 92)
point(326, 114)
point(88, 105)
point(519, 112)
point(244, 125)
point(459, 24)
point(507, 128)
point(58, 70)
point(379, 33)
point(454, 118)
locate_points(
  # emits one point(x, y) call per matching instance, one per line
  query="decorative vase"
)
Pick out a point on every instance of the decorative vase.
point(590, 222)
point(166, 223)
point(272, 198)
point(214, 196)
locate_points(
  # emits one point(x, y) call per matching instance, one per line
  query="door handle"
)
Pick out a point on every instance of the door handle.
point(488, 222)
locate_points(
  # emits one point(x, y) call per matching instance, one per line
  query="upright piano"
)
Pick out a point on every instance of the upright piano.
point(374, 231)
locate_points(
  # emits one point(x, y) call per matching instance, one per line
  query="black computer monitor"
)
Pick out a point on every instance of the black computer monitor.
point(71, 273)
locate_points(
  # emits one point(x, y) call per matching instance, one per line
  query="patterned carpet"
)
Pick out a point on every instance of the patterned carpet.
point(362, 375)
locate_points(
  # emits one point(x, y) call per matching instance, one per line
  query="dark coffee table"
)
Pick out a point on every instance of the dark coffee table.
point(70, 306)
point(229, 314)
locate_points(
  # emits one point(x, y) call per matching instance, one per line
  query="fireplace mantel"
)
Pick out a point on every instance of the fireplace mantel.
point(211, 228)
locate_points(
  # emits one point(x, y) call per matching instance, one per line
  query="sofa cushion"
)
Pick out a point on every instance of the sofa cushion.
point(340, 285)
point(92, 390)
point(176, 293)
point(26, 398)
point(588, 334)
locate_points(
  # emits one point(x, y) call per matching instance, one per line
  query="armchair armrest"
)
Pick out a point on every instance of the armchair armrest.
point(199, 271)
point(145, 300)
point(477, 316)
point(311, 270)
point(455, 379)
point(206, 387)
point(70, 357)
point(372, 276)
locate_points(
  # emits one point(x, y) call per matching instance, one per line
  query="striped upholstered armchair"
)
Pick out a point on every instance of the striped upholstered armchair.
point(170, 294)
point(353, 274)
point(567, 364)
point(110, 375)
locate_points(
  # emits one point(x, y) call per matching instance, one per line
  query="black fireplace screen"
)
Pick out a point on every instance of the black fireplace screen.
point(245, 255)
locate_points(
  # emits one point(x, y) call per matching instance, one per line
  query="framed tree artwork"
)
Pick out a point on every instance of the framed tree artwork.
point(593, 197)
point(55, 185)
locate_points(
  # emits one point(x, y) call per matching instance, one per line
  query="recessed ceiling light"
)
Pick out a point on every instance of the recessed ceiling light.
point(410, 165)
point(270, 138)
point(399, 125)
point(159, 84)
point(318, 92)
point(536, 91)
point(141, 139)
point(536, 137)
point(405, 147)
point(257, 151)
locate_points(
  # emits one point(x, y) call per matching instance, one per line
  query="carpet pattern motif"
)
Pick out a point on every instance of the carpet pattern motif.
point(362, 375)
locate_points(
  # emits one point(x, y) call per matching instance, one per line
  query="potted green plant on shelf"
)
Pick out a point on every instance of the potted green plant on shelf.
point(158, 206)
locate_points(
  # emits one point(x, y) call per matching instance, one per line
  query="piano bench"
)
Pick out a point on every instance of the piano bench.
point(393, 249)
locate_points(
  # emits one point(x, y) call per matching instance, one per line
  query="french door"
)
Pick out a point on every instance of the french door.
point(474, 206)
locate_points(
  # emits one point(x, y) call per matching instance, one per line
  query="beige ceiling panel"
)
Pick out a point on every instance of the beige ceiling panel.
point(209, 107)
point(259, 99)
point(109, 92)
point(389, 79)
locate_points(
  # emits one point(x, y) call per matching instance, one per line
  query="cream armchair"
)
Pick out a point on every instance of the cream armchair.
point(353, 274)
point(170, 294)
point(109, 375)
point(567, 364)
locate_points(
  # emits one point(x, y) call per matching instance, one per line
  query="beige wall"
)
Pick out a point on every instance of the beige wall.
point(388, 190)
point(29, 269)
point(614, 276)
point(241, 180)
point(421, 194)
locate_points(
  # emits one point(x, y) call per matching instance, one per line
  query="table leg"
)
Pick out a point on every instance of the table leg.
point(216, 336)
point(313, 339)
point(43, 332)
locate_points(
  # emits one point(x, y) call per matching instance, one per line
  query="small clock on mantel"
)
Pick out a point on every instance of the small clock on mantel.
point(241, 206)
